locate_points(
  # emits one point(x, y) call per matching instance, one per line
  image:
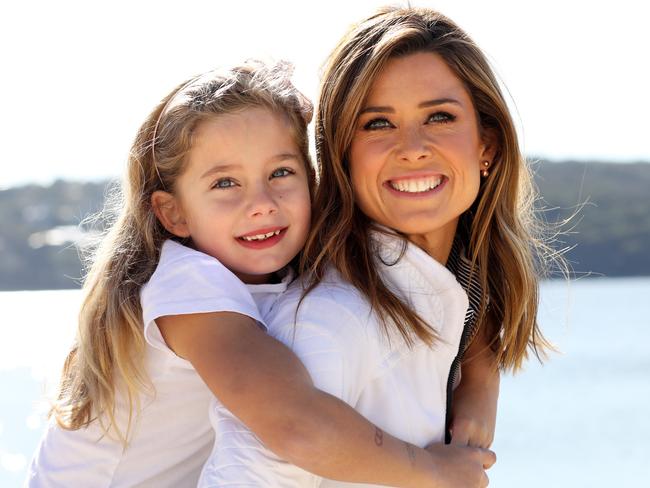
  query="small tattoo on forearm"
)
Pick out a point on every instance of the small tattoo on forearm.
point(410, 450)
point(379, 436)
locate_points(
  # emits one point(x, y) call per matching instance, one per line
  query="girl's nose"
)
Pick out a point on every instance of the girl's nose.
point(413, 146)
point(262, 203)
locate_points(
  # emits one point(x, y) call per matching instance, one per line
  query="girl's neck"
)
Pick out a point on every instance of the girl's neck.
point(259, 279)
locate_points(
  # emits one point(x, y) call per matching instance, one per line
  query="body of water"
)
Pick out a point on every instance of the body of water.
point(581, 420)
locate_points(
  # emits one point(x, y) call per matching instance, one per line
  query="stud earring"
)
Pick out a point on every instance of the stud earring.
point(485, 172)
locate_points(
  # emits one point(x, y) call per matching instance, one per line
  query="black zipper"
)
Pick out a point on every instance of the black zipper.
point(462, 270)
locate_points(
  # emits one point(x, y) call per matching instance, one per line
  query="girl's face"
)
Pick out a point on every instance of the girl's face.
point(416, 155)
point(244, 196)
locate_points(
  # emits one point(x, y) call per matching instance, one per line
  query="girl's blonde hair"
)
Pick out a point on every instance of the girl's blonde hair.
point(499, 230)
point(108, 352)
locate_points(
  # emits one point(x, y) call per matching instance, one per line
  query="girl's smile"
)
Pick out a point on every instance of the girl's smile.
point(262, 238)
point(243, 197)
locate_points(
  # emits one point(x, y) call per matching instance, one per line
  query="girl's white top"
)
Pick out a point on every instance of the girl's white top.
point(342, 343)
point(171, 436)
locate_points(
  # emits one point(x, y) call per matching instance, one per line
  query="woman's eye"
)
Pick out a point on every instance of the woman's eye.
point(376, 124)
point(224, 183)
point(440, 117)
point(280, 172)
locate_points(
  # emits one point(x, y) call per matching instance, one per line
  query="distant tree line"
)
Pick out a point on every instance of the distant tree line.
point(602, 211)
point(39, 232)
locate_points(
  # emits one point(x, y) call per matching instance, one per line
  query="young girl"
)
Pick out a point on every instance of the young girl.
point(217, 194)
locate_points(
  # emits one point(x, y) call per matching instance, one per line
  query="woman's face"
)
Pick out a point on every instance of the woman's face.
point(415, 158)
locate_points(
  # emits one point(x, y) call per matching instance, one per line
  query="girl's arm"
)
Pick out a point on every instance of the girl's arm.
point(266, 386)
point(474, 407)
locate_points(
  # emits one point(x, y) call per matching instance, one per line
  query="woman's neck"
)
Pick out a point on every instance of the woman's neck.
point(436, 244)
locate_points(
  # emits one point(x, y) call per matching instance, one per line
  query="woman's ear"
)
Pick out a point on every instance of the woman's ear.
point(169, 213)
point(489, 146)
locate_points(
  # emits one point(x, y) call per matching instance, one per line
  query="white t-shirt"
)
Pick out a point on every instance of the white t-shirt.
point(171, 436)
point(342, 343)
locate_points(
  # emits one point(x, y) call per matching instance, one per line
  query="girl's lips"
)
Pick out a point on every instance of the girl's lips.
point(278, 234)
point(263, 230)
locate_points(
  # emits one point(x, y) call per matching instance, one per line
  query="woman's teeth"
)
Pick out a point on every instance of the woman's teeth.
point(261, 237)
point(413, 185)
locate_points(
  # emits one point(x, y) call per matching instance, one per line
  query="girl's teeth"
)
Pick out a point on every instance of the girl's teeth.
point(261, 237)
point(416, 186)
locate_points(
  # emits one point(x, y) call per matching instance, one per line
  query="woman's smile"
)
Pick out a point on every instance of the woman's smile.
point(416, 185)
point(416, 152)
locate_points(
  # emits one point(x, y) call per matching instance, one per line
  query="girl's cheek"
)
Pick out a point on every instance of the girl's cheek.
point(297, 190)
point(228, 204)
point(300, 201)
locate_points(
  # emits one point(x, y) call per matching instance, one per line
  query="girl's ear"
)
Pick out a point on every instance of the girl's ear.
point(169, 213)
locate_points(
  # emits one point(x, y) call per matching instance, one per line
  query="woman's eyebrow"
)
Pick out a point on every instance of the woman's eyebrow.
point(426, 104)
point(439, 101)
point(387, 109)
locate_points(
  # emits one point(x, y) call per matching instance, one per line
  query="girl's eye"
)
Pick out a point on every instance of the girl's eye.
point(440, 118)
point(280, 172)
point(224, 183)
point(379, 123)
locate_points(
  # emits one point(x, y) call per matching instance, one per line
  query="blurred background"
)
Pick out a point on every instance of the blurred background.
point(80, 77)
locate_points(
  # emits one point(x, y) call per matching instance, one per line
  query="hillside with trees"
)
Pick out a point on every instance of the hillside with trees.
point(608, 234)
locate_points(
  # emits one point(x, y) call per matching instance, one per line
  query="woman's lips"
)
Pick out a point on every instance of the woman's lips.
point(416, 186)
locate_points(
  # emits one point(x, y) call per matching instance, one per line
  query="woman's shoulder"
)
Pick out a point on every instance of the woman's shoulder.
point(334, 332)
point(333, 292)
point(333, 305)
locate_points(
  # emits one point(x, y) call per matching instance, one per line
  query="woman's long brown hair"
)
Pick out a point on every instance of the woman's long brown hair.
point(500, 229)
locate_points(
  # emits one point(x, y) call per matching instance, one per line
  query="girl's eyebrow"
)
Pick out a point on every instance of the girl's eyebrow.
point(425, 104)
point(278, 158)
point(225, 167)
point(219, 168)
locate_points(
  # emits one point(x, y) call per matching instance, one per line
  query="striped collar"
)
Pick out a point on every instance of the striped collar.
point(461, 267)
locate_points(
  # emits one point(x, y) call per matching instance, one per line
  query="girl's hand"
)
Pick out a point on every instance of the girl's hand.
point(460, 467)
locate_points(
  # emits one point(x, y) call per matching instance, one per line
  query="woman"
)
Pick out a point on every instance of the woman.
point(418, 158)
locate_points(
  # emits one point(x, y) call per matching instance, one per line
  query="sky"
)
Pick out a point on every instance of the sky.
point(80, 77)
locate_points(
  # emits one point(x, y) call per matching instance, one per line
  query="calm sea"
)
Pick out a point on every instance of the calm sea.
point(581, 420)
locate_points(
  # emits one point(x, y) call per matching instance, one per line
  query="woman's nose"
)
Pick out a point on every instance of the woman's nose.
point(413, 145)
